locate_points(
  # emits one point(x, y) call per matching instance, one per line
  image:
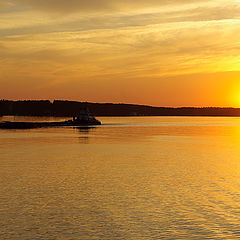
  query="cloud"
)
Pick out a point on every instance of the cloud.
point(98, 5)
point(140, 52)
point(5, 5)
point(33, 23)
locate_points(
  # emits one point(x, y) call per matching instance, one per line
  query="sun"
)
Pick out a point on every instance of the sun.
point(235, 97)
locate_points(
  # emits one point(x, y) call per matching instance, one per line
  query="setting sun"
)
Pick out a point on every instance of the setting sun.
point(125, 51)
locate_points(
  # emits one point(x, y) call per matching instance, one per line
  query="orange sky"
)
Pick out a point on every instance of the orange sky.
point(155, 52)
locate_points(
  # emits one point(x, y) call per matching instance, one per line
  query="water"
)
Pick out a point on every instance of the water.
point(131, 178)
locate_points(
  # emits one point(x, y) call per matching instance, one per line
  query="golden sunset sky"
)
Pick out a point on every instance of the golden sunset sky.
point(155, 52)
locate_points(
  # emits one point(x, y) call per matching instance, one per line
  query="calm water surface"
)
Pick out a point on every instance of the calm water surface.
point(131, 178)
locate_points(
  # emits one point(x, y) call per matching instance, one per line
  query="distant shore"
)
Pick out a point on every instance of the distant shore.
point(70, 108)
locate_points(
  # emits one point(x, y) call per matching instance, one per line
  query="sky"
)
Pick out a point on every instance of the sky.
point(155, 52)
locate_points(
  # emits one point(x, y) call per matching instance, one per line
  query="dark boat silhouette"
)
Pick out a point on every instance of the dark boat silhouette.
point(82, 119)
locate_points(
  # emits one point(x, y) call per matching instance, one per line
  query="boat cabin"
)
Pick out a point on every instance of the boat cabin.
point(83, 115)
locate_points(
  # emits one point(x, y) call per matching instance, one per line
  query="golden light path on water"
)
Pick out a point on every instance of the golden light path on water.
point(131, 178)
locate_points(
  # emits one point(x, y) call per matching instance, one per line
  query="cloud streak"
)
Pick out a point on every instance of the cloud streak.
point(5, 5)
point(114, 21)
point(99, 5)
point(113, 44)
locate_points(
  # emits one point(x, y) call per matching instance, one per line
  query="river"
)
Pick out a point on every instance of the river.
point(133, 178)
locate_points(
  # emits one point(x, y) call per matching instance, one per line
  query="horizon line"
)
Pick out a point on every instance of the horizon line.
point(117, 103)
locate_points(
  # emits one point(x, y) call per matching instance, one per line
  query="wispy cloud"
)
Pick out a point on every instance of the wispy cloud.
point(5, 5)
point(99, 5)
point(57, 44)
point(22, 23)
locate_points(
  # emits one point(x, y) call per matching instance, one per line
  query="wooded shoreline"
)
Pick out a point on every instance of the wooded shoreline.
point(71, 108)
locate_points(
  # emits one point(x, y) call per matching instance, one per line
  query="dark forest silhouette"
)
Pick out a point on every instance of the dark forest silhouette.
point(71, 108)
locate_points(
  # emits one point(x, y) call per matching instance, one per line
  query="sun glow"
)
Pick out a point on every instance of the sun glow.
point(178, 54)
point(235, 95)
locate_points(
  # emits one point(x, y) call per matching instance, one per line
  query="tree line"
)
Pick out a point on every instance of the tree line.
point(71, 108)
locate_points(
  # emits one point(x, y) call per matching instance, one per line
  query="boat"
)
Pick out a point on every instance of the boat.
point(82, 119)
